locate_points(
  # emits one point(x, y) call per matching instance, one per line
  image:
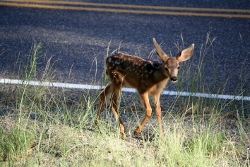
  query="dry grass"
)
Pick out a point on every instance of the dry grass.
point(59, 131)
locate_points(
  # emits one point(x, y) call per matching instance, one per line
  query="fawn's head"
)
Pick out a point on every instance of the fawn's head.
point(171, 64)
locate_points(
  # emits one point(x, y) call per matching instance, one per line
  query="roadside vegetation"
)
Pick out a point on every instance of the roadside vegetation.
point(44, 126)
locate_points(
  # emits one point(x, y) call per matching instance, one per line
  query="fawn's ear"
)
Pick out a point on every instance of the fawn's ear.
point(185, 54)
point(162, 55)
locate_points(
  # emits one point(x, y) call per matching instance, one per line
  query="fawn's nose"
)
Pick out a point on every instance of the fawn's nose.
point(173, 78)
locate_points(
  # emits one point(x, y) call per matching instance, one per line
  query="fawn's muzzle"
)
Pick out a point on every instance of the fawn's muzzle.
point(173, 78)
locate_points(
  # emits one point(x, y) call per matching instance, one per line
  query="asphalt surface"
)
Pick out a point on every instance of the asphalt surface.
point(223, 4)
point(77, 41)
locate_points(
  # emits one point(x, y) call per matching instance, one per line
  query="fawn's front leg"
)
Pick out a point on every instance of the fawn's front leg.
point(148, 112)
point(158, 111)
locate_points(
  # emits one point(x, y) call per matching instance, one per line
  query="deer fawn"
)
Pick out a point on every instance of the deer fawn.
point(147, 76)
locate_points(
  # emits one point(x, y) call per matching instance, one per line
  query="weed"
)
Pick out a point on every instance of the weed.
point(54, 126)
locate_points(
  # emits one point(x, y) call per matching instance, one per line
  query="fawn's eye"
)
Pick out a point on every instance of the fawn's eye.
point(178, 67)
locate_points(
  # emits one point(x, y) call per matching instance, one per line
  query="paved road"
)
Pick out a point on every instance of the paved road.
point(78, 39)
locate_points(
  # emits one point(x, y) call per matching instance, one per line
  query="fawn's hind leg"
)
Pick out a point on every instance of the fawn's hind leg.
point(107, 90)
point(114, 102)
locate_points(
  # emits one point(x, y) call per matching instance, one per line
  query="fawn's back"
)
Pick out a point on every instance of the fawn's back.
point(133, 71)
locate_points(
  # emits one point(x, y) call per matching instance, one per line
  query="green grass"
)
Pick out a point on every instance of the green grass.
point(41, 126)
point(58, 133)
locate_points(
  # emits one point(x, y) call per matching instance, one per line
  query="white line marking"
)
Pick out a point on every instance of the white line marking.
point(82, 86)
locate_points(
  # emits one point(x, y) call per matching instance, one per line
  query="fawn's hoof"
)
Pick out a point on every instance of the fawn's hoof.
point(96, 122)
point(123, 135)
point(137, 131)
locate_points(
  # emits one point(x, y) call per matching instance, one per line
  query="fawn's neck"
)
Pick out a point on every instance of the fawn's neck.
point(160, 74)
